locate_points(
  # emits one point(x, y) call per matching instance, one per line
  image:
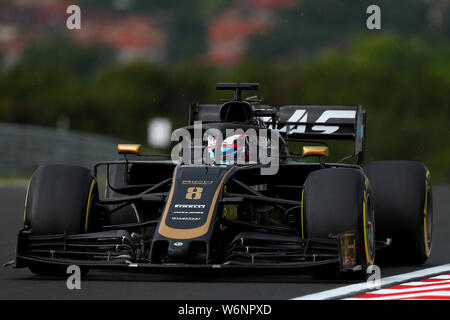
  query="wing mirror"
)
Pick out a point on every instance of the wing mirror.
point(129, 148)
point(308, 151)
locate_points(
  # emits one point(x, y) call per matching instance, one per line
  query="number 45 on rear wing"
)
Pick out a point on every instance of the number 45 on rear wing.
point(297, 122)
point(300, 122)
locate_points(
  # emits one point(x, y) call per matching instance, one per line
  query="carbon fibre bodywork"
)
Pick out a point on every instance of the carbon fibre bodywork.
point(162, 215)
point(231, 225)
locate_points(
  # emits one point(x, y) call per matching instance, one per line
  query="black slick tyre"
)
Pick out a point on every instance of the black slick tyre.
point(403, 201)
point(337, 201)
point(58, 201)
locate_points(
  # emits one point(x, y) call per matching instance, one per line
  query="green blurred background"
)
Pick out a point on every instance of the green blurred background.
point(133, 60)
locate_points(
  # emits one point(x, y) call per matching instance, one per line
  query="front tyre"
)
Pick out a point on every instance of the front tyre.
point(59, 201)
point(336, 201)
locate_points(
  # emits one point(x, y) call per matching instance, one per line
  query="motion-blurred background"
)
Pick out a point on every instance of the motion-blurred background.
point(70, 95)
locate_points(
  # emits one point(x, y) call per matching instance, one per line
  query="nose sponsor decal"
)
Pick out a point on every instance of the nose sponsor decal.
point(192, 201)
point(194, 193)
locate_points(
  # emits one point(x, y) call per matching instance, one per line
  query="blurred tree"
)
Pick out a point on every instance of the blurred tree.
point(402, 82)
point(308, 28)
point(58, 52)
point(49, 81)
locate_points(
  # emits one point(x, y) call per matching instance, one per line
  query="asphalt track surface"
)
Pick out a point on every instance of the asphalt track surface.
point(22, 284)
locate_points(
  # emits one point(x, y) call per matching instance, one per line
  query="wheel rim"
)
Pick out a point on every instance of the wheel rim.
point(428, 219)
point(370, 229)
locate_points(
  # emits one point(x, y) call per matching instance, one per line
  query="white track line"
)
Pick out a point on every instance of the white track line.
point(409, 290)
point(407, 296)
point(353, 289)
point(424, 284)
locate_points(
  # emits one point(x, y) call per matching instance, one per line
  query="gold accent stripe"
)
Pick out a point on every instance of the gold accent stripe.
point(174, 233)
point(88, 207)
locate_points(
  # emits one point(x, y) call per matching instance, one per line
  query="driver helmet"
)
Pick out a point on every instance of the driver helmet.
point(234, 149)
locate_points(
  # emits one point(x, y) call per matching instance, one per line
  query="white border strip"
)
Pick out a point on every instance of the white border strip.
point(441, 293)
point(364, 286)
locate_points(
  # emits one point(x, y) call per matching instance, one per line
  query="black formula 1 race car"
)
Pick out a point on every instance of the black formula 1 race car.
point(308, 215)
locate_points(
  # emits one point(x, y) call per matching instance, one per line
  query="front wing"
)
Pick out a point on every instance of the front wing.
point(118, 250)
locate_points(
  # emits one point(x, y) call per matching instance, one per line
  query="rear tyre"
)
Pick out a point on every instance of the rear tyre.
point(338, 200)
point(59, 200)
point(404, 209)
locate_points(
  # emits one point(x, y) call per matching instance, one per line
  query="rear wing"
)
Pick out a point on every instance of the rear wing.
point(302, 122)
point(323, 123)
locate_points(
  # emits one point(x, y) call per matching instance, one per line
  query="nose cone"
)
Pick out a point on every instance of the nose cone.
point(178, 250)
point(189, 216)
